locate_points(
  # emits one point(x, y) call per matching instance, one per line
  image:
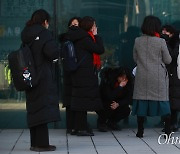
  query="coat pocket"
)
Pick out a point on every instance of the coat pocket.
point(164, 68)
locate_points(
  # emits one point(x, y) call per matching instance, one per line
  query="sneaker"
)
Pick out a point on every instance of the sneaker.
point(41, 149)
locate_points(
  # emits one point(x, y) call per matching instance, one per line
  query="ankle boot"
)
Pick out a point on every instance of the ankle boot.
point(174, 121)
point(167, 126)
point(140, 121)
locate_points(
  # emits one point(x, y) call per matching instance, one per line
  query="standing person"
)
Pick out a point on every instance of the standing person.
point(85, 90)
point(116, 93)
point(67, 81)
point(151, 87)
point(170, 34)
point(42, 101)
point(74, 21)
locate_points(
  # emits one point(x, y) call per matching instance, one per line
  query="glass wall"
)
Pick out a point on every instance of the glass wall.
point(13, 16)
point(118, 23)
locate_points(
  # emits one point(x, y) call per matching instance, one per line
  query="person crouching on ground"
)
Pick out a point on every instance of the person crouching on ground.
point(116, 93)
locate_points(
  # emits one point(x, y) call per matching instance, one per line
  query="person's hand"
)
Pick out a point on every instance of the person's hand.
point(94, 30)
point(123, 83)
point(114, 105)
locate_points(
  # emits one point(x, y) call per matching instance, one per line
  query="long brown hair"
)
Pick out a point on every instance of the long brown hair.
point(87, 23)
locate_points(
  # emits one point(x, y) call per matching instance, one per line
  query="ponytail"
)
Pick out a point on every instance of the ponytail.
point(29, 23)
point(38, 17)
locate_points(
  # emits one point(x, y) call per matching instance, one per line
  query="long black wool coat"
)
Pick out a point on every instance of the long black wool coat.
point(42, 101)
point(85, 89)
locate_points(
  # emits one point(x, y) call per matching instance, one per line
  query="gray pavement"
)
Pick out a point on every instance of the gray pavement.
point(16, 141)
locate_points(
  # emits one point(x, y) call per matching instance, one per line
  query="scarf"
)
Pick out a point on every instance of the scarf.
point(116, 84)
point(96, 57)
point(156, 34)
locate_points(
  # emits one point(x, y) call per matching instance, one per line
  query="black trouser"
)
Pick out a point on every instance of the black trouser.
point(70, 115)
point(113, 116)
point(174, 118)
point(39, 136)
point(80, 120)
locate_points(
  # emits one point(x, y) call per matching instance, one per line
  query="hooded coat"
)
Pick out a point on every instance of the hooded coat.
point(42, 101)
point(110, 91)
point(67, 81)
point(85, 90)
point(174, 82)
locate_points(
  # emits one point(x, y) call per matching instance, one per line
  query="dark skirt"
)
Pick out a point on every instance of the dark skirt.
point(150, 108)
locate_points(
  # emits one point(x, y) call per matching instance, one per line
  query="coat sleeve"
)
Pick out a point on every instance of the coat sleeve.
point(135, 52)
point(108, 94)
point(165, 53)
point(94, 47)
point(51, 49)
point(175, 52)
point(126, 98)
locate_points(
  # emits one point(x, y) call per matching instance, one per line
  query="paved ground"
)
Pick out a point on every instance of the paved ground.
point(13, 116)
point(14, 136)
point(16, 141)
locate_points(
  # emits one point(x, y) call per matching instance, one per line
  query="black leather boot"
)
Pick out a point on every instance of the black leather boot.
point(174, 120)
point(140, 121)
point(167, 126)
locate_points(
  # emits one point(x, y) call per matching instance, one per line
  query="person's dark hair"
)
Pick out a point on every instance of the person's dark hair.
point(74, 18)
point(109, 75)
point(120, 71)
point(169, 28)
point(87, 23)
point(38, 17)
point(151, 25)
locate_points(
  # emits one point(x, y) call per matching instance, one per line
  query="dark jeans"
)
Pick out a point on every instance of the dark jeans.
point(39, 136)
point(113, 116)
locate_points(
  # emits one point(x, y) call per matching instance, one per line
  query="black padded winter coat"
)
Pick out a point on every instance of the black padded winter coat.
point(42, 101)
